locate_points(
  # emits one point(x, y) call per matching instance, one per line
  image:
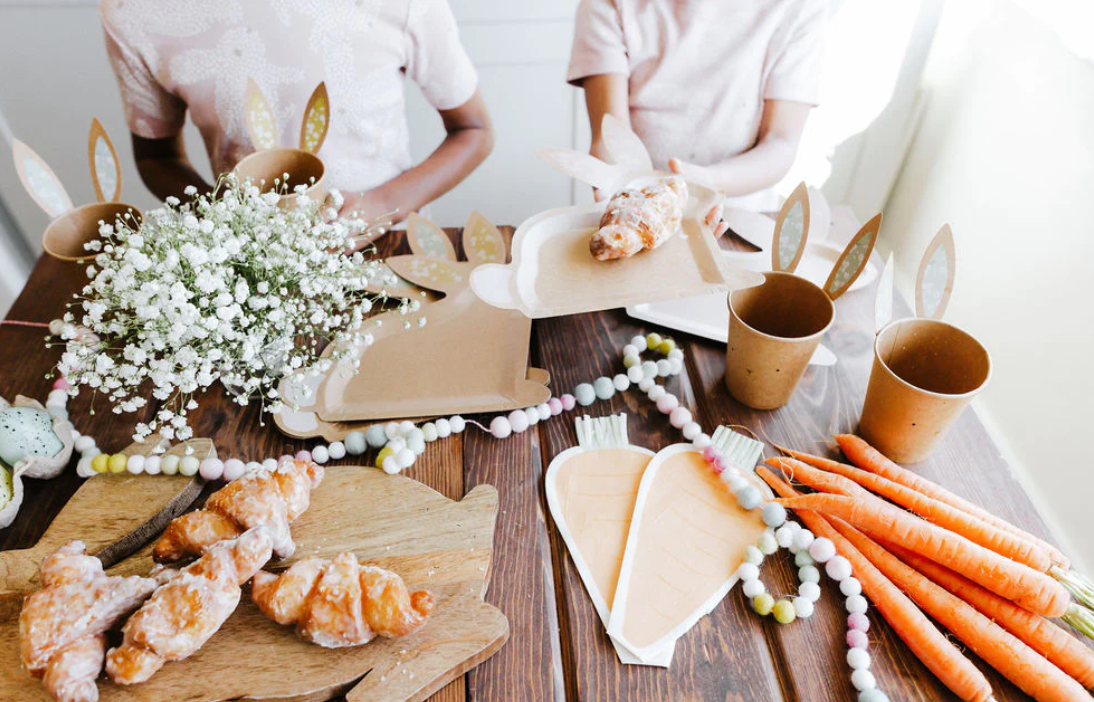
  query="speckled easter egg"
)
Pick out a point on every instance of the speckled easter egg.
point(25, 431)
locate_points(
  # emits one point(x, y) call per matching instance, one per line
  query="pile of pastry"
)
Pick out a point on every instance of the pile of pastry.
point(64, 628)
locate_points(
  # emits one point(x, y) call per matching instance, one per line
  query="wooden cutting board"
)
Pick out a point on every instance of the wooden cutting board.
point(390, 521)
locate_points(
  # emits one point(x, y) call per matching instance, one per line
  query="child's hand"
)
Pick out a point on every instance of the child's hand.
point(702, 176)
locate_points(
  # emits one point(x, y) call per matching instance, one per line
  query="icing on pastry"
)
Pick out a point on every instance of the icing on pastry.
point(640, 219)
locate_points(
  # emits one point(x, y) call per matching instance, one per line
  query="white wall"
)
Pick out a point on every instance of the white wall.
point(1005, 154)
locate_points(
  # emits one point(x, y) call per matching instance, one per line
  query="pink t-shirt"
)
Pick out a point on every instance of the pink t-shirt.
point(700, 70)
point(197, 55)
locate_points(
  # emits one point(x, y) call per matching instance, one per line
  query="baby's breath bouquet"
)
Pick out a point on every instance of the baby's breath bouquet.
point(227, 287)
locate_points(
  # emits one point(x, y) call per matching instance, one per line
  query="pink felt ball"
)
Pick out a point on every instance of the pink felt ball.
point(709, 454)
point(518, 421)
point(568, 402)
point(303, 455)
point(555, 405)
point(211, 468)
point(667, 403)
point(857, 639)
point(61, 383)
point(679, 417)
point(234, 469)
point(858, 622)
point(719, 465)
point(500, 427)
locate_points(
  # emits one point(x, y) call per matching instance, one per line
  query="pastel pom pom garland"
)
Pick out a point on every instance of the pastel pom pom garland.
point(400, 444)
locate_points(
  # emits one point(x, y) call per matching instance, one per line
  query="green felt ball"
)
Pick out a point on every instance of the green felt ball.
point(585, 394)
point(25, 431)
point(763, 603)
point(375, 436)
point(784, 611)
point(355, 442)
point(666, 347)
point(604, 388)
point(631, 360)
point(653, 340)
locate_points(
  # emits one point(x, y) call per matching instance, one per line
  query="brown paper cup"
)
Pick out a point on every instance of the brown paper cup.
point(264, 167)
point(65, 236)
point(774, 329)
point(925, 372)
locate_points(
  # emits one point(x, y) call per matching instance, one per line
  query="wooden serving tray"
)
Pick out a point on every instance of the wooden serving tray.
point(390, 521)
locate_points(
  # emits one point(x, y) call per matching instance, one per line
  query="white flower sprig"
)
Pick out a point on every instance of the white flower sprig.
point(227, 287)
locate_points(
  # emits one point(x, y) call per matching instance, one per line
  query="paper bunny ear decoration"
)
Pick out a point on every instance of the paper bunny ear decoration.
point(73, 227)
point(262, 124)
point(630, 159)
point(933, 283)
point(792, 233)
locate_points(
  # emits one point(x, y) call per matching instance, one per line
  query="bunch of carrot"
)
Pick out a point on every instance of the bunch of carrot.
point(919, 551)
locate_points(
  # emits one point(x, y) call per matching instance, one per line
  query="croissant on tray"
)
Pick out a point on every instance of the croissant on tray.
point(638, 220)
point(340, 602)
point(273, 498)
point(61, 626)
point(188, 608)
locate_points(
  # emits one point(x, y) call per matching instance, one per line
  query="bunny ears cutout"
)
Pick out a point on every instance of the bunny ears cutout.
point(629, 157)
point(45, 187)
point(933, 282)
point(262, 125)
point(795, 221)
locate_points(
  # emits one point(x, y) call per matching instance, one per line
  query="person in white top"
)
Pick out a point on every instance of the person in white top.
point(718, 90)
point(172, 57)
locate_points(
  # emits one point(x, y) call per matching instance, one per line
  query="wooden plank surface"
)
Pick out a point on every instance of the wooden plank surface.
point(558, 649)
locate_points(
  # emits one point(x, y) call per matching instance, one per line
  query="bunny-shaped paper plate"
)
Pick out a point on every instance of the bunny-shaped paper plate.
point(458, 354)
point(775, 328)
point(553, 272)
point(268, 165)
point(73, 227)
point(925, 370)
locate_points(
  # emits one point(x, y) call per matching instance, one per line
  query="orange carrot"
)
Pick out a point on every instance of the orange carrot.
point(998, 648)
point(868, 458)
point(971, 527)
point(922, 637)
point(1042, 635)
point(1019, 583)
point(819, 480)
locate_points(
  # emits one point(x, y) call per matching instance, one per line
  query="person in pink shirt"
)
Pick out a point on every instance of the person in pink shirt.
point(718, 91)
point(172, 58)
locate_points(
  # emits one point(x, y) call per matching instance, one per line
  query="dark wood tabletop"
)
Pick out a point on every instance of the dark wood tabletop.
point(558, 649)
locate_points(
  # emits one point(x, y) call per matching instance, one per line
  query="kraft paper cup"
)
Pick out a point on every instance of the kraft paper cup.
point(925, 372)
point(65, 236)
point(264, 167)
point(774, 328)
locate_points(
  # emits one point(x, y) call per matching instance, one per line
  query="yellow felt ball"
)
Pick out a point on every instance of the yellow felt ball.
point(653, 341)
point(784, 611)
point(100, 463)
point(117, 463)
point(384, 453)
point(666, 347)
point(763, 603)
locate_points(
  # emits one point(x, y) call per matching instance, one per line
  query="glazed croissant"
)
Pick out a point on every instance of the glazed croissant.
point(340, 602)
point(188, 608)
point(61, 626)
point(263, 497)
point(637, 220)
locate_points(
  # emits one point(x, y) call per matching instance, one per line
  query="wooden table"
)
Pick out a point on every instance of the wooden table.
point(558, 649)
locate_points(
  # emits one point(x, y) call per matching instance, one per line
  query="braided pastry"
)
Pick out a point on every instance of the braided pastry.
point(340, 602)
point(263, 497)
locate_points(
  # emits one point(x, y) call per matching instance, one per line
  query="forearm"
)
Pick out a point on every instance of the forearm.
point(459, 154)
point(170, 177)
point(755, 169)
